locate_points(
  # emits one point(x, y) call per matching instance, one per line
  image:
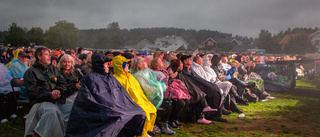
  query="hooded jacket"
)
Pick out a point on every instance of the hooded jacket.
point(103, 108)
point(210, 72)
point(40, 81)
point(16, 53)
point(135, 91)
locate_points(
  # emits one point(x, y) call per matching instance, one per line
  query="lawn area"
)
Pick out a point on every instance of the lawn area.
point(294, 114)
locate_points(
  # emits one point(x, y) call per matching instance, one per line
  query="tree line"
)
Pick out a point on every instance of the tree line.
point(66, 35)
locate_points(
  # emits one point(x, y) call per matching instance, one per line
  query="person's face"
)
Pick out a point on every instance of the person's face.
point(4, 53)
point(45, 58)
point(22, 59)
point(110, 64)
point(224, 60)
point(54, 63)
point(106, 67)
point(181, 65)
point(160, 64)
point(199, 61)
point(236, 65)
point(188, 62)
point(84, 61)
point(143, 64)
point(67, 64)
point(126, 69)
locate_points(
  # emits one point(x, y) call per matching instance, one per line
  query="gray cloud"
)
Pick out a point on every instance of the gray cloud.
point(245, 17)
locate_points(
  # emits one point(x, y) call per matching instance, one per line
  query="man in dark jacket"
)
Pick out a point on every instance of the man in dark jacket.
point(44, 86)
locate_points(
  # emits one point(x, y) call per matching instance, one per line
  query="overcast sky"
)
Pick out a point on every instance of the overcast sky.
point(239, 17)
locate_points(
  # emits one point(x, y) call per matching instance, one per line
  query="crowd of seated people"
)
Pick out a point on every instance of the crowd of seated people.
point(115, 93)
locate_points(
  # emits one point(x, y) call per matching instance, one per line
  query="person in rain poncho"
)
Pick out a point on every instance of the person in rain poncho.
point(227, 86)
point(9, 107)
point(44, 85)
point(15, 55)
point(199, 65)
point(121, 68)
point(18, 67)
point(103, 107)
point(153, 85)
point(149, 80)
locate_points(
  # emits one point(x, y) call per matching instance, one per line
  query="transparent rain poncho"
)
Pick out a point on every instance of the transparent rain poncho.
point(152, 85)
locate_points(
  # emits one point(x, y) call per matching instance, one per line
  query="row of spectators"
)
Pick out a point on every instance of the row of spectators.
point(129, 93)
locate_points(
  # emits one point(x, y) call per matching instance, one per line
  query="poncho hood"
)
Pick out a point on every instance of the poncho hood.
point(117, 64)
point(98, 63)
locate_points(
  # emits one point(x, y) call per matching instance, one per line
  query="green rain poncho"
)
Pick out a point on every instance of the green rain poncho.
point(152, 85)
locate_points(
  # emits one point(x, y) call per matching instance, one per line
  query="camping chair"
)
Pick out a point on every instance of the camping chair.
point(18, 82)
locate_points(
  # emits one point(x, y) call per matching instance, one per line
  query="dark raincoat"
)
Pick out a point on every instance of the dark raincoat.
point(103, 107)
point(195, 83)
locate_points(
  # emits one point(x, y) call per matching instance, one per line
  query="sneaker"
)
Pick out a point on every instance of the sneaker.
point(220, 119)
point(203, 121)
point(4, 120)
point(226, 112)
point(177, 123)
point(13, 116)
point(208, 109)
point(173, 125)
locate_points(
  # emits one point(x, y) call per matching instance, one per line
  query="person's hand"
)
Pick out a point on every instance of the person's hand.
point(173, 75)
point(78, 85)
point(55, 94)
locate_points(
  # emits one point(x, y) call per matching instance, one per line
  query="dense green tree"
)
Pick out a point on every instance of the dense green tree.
point(113, 34)
point(36, 35)
point(16, 36)
point(266, 41)
point(62, 35)
point(300, 45)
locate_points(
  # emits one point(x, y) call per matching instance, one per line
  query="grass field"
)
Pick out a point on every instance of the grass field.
point(294, 114)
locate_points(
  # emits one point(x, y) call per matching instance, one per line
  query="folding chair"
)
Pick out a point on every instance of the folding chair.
point(18, 82)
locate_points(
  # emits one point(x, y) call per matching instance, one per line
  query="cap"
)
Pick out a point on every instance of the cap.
point(22, 54)
point(116, 53)
point(128, 55)
point(184, 57)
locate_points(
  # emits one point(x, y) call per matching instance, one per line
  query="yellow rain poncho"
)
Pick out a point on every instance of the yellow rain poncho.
point(15, 55)
point(136, 93)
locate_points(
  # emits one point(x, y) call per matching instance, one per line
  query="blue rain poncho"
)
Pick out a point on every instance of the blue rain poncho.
point(103, 107)
point(152, 85)
point(17, 68)
point(5, 75)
